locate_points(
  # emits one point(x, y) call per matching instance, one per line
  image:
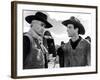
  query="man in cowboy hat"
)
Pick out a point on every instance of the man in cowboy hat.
point(33, 48)
point(77, 50)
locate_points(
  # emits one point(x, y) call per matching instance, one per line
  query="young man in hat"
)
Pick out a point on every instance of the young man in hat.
point(77, 50)
point(33, 48)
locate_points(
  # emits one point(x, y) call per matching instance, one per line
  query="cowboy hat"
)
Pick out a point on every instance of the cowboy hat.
point(38, 16)
point(76, 23)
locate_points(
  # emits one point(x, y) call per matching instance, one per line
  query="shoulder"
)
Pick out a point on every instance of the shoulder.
point(67, 44)
point(26, 40)
point(85, 43)
point(27, 36)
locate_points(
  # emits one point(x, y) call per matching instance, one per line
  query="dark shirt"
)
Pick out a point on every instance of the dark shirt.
point(74, 44)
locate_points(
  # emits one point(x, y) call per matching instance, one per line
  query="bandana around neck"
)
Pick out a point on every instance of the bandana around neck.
point(36, 36)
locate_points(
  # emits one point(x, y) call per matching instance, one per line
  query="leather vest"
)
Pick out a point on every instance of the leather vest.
point(35, 58)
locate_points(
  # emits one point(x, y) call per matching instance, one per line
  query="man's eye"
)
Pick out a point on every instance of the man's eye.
point(43, 25)
point(70, 27)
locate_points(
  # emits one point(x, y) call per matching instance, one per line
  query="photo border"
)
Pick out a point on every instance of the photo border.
point(14, 37)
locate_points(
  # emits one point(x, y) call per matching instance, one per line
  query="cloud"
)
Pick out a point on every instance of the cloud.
point(59, 37)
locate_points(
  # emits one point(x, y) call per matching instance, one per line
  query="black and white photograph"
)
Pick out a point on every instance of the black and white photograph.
point(53, 39)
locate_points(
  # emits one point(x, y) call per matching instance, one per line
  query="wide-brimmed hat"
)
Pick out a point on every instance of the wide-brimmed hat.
point(76, 23)
point(38, 16)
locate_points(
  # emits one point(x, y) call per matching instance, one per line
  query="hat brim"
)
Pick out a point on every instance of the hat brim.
point(79, 25)
point(32, 17)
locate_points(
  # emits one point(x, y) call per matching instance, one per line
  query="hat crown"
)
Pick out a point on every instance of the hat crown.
point(41, 15)
point(74, 19)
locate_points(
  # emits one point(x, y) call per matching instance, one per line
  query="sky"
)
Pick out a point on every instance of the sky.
point(59, 31)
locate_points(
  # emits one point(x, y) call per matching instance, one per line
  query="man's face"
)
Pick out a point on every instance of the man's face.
point(71, 31)
point(38, 27)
